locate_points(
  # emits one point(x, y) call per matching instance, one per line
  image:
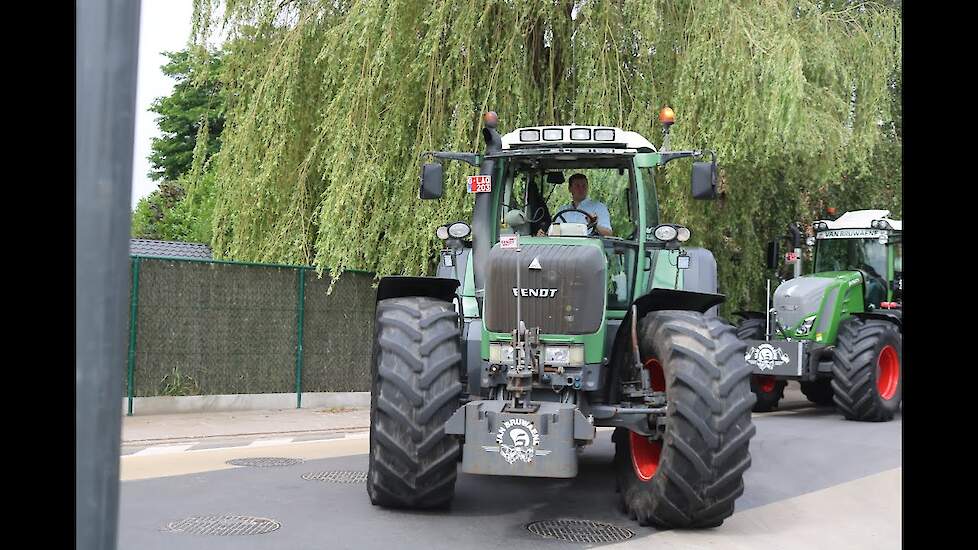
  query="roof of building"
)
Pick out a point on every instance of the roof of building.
point(169, 249)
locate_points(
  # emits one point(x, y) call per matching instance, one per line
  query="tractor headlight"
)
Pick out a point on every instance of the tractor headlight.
point(665, 233)
point(501, 354)
point(806, 326)
point(563, 355)
point(682, 234)
point(459, 230)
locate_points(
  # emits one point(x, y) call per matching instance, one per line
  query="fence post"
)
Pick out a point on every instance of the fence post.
point(133, 312)
point(298, 352)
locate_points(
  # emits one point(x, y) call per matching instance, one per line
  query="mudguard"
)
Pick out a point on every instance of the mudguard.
point(431, 287)
point(894, 316)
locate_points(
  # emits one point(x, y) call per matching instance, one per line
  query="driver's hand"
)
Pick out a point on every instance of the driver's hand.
point(592, 220)
point(540, 233)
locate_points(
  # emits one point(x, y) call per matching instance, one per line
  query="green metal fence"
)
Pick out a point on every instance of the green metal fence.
point(206, 327)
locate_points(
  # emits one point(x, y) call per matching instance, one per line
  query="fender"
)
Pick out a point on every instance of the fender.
point(656, 299)
point(894, 316)
point(431, 287)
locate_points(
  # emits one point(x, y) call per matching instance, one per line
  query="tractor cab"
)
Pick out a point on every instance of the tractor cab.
point(867, 242)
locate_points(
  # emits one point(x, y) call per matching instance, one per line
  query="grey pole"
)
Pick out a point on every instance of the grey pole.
point(106, 43)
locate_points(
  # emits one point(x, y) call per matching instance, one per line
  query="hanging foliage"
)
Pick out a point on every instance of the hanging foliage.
point(332, 103)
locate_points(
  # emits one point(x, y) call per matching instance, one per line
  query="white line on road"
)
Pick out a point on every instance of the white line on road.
point(163, 449)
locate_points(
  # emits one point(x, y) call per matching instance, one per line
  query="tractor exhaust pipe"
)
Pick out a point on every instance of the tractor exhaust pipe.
point(482, 219)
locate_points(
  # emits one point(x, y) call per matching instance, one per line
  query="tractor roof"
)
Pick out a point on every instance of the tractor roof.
point(549, 136)
point(863, 219)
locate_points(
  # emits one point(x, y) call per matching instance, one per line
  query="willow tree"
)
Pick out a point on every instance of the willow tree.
point(333, 102)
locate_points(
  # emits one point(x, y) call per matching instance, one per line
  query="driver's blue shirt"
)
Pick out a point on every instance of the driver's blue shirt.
point(595, 208)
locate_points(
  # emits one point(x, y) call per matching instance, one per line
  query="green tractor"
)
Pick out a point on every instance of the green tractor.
point(839, 330)
point(538, 329)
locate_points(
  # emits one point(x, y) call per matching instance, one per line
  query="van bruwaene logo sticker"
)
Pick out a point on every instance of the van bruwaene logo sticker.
point(535, 292)
point(766, 356)
point(517, 440)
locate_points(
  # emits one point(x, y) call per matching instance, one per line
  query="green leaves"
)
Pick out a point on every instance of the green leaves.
point(330, 104)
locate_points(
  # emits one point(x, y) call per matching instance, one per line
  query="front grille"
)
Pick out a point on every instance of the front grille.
point(565, 296)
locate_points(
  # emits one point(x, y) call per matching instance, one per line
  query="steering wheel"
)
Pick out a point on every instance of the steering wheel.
point(590, 226)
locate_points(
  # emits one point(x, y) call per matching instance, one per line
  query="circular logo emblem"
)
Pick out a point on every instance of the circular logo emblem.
point(766, 356)
point(517, 439)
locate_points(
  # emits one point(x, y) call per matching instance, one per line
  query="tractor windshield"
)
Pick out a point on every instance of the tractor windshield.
point(865, 255)
point(539, 192)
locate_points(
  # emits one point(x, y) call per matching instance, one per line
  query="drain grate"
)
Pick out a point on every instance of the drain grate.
point(337, 477)
point(264, 461)
point(226, 525)
point(579, 530)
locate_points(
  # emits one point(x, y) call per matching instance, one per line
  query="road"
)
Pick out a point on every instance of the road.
point(816, 481)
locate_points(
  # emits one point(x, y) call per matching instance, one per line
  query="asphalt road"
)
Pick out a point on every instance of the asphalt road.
point(816, 481)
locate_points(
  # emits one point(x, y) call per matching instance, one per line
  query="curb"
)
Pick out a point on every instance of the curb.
point(242, 402)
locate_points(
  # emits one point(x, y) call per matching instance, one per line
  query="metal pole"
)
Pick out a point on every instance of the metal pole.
point(767, 311)
point(133, 313)
point(298, 351)
point(797, 262)
point(106, 47)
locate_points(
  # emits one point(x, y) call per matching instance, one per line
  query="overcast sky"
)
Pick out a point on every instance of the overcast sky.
point(164, 26)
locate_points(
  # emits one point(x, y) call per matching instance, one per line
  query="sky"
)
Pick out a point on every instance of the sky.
point(164, 26)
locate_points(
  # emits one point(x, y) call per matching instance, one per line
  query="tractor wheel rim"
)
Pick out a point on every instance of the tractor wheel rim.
point(645, 456)
point(656, 375)
point(766, 383)
point(887, 372)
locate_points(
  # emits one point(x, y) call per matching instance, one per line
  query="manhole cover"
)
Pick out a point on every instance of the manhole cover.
point(337, 477)
point(265, 461)
point(579, 530)
point(225, 525)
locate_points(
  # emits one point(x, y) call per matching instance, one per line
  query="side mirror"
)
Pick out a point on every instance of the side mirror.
point(772, 255)
point(432, 181)
point(704, 180)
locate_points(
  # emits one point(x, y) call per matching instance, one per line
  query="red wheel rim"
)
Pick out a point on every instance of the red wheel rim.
point(645, 456)
point(887, 372)
point(766, 383)
point(645, 453)
point(656, 375)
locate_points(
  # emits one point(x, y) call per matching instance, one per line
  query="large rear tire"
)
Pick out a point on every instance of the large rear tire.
point(416, 386)
point(867, 373)
point(693, 475)
point(751, 329)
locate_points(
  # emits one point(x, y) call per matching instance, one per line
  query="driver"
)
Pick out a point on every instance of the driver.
point(598, 215)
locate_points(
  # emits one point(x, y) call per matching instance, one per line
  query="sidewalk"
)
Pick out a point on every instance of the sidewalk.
point(211, 427)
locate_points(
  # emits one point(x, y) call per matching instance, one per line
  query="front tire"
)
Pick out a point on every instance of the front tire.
point(867, 373)
point(416, 386)
point(693, 475)
point(819, 391)
point(768, 390)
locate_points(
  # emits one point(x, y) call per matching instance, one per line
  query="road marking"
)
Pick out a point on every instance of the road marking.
point(153, 465)
point(863, 513)
point(163, 449)
point(270, 442)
